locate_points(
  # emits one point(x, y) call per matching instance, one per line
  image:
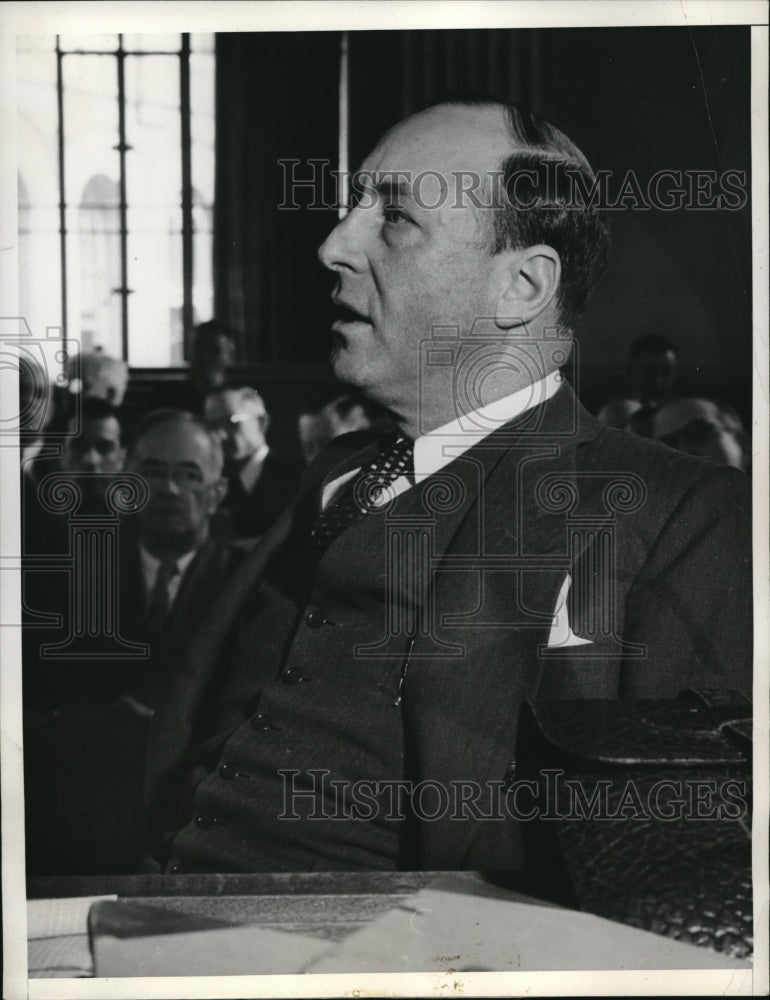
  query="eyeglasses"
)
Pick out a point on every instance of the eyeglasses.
point(184, 477)
point(228, 423)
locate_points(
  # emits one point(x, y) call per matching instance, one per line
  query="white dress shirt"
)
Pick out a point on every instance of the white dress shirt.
point(434, 450)
point(150, 566)
point(439, 447)
point(252, 470)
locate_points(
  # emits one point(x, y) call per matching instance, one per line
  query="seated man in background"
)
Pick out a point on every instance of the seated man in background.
point(261, 483)
point(212, 352)
point(94, 448)
point(334, 414)
point(701, 427)
point(92, 453)
point(171, 563)
point(87, 715)
point(96, 375)
point(652, 371)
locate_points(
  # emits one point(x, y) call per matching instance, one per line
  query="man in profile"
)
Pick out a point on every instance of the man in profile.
point(503, 546)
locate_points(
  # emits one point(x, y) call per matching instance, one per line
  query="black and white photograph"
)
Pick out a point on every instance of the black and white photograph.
point(384, 542)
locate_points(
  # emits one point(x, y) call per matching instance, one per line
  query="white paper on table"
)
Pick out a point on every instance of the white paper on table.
point(66, 956)
point(228, 951)
point(450, 926)
point(47, 918)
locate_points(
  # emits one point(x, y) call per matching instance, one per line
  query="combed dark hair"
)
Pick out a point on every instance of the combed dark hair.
point(576, 228)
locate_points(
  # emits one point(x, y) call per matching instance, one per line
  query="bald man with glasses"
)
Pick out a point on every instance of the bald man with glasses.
point(261, 482)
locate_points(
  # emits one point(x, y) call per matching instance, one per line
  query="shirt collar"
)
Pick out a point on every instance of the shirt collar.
point(151, 563)
point(439, 447)
point(249, 473)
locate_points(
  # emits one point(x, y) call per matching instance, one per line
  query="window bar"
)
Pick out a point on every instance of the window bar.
point(344, 117)
point(122, 148)
point(187, 206)
point(62, 198)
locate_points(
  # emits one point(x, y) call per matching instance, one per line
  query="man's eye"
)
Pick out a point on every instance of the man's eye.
point(394, 215)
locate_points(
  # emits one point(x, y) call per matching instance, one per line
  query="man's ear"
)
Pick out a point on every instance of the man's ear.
point(527, 283)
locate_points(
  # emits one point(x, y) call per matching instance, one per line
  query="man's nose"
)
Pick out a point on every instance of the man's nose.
point(91, 460)
point(342, 248)
point(167, 483)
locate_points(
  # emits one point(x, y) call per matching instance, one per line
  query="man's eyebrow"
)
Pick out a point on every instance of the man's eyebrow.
point(393, 190)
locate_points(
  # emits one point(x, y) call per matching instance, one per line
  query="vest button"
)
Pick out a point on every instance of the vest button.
point(316, 618)
point(228, 770)
point(204, 821)
point(292, 676)
point(261, 721)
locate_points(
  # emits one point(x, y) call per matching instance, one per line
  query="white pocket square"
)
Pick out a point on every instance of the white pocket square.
point(561, 634)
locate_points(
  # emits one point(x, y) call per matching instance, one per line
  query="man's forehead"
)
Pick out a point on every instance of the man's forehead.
point(101, 426)
point(231, 402)
point(108, 426)
point(446, 139)
point(180, 441)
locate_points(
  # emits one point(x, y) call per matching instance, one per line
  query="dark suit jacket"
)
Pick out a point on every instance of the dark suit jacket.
point(657, 545)
point(249, 514)
point(87, 720)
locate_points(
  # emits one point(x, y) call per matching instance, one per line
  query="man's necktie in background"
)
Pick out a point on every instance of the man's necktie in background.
point(362, 494)
point(160, 600)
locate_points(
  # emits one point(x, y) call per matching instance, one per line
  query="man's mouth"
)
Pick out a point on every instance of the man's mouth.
point(166, 509)
point(346, 317)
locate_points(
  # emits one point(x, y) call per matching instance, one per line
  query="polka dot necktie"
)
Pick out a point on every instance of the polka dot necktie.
point(364, 494)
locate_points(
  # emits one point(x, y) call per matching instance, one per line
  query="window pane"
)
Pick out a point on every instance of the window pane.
point(88, 43)
point(202, 130)
point(92, 171)
point(38, 184)
point(154, 196)
point(152, 43)
point(203, 283)
point(202, 133)
point(202, 42)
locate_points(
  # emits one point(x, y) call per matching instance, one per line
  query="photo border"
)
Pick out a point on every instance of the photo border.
point(33, 18)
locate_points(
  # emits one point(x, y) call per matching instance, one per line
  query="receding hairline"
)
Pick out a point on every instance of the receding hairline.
point(184, 421)
point(242, 394)
point(522, 130)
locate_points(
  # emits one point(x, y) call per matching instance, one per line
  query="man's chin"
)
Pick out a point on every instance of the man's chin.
point(345, 365)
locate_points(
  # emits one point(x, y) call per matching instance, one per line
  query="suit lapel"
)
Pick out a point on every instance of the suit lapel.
point(461, 712)
point(193, 599)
